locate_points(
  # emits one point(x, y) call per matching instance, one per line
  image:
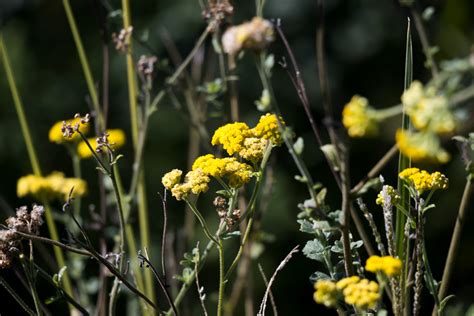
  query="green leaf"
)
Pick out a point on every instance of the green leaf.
point(337, 247)
point(356, 244)
point(298, 146)
point(314, 250)
point(230, 235)
point(316, 276)
point(306, 226)
point(443, 303)
point(330, 153)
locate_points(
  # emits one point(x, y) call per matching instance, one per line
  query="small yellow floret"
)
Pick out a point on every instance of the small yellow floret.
point(423, 180)
point(326, 293)
point(50, 187)
point(172, 178)
point(254, 148)
point(363, 294)
point(359, 118)
point(388, 265)
point(231, 136)
point(268, 128)
point(392, 193)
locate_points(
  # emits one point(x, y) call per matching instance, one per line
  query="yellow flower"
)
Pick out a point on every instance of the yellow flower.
point(116, 139)
point(390, 266)
point(423, 180)
point(428, 111)
point(359, 118)
point(254, 148)
point(326, 293)
point(268, 128)
point(236, 172)
point(421, 147)
point(256, 34)
point(195, 182)
point(363, 294)
point(231, 136)
point(172, 178)
point(56, 135)
point(343, 283)
point(52, 186)
point(395, 197)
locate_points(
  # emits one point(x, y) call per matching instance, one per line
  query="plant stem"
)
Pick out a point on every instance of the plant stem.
point(430, 62)
point(222, 280)
point(33, 157)
point(455, 240)
point(84, 63)
point(202, 221)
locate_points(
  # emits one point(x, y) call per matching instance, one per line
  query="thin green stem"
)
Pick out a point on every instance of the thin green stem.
point(84, 62)
point(33, 157)
point(27, 265)
point(222, 280)
point(201, 219)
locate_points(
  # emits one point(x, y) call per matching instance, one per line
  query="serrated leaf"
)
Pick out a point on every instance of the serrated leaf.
point(314, 250)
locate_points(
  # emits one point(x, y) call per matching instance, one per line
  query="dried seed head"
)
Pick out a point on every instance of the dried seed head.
point(219, 201)
point(146, 64)
point(217, 12)
point(122, 40)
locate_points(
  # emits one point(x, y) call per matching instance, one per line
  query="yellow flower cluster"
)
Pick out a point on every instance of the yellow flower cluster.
point(195, 182)
point(423, 180)
point(359, 118)
point(326, 293)
point(392, 192)
point(236, 172)
point(362, 293)
point(52, 186)
point(116, 139)
point(256, 34)
point(421, 146)
point(249, 143)
point(56, 134)
point(389, 265)
point(359, 292)
point(428, 111)
point(231, 136)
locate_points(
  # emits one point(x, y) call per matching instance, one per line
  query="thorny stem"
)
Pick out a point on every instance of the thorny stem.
point(32, 155)
point(17, 297)
point(455, 240)
point(84, 63)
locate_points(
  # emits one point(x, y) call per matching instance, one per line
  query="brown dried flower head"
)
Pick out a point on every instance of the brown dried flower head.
point(123, 39)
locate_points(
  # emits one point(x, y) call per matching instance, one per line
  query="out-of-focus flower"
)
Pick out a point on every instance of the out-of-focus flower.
point(421, 146)
point(326, 293)
point(268, 128)
point(116, 139)
point(52, 186)
point(255, 35)
point(428, 111)
point(359, 118)
point(363, 294)
point(388, 265)
point(56, 133)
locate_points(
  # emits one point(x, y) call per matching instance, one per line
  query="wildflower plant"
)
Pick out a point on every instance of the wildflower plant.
point(228, 181)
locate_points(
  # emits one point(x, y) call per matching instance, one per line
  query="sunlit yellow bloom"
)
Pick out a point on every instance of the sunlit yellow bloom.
point(254, 148)
point(326, 293)
point(423, 180)
point(359, 118)
point(56, 135)
point(390, 266)
point(395, 197)
point(52, 186)
point(428, 111)
point(363, 294)
point(421, 147)
point(268, 128)
point(198, 181)
point(236, 172)
point(231, 136)
point(172, 178)
point(116, 139)
point(195, 182)
point(256, 34)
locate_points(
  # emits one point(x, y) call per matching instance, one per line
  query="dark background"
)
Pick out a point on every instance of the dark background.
point(365, 55)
